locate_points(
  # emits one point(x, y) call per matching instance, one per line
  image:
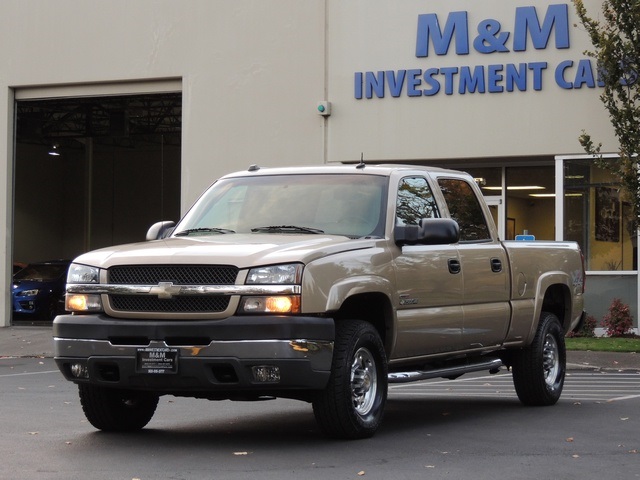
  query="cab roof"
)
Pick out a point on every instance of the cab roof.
point(338, 168)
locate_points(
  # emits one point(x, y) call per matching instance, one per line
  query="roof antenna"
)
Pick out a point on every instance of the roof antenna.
point(361, 164)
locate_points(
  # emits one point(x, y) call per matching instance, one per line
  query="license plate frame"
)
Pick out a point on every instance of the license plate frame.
point(157, 360)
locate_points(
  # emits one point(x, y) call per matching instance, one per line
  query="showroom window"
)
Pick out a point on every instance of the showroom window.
point(598, 215)
point(526, 195)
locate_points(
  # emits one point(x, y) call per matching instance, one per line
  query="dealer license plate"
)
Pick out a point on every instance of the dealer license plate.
point(157, 360)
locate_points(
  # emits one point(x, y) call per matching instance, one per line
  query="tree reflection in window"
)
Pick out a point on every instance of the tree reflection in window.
point(465, 209)
point(415, 201)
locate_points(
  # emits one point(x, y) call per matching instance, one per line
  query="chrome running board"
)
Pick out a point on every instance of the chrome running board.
point(493, 365)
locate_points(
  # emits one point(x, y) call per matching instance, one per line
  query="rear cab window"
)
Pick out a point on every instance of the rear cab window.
point(464, 208)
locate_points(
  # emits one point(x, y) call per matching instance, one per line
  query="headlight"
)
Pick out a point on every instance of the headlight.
point(83, 274)
point(28, 293)
point(82, 302)
point(289, 274)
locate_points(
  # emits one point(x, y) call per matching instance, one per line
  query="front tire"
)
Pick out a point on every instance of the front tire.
point(352, 405)
point(539, 369)
point(115, 410)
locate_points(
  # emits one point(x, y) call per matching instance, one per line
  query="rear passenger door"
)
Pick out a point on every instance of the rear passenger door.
point(483, 266)
point(430, 289)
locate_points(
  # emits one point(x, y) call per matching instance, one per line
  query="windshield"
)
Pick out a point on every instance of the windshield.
point(338, 204)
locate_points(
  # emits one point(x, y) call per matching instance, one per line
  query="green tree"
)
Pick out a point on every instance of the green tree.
point(616, 40)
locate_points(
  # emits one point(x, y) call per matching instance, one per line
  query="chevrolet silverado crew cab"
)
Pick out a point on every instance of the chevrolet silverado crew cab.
point(322, 284)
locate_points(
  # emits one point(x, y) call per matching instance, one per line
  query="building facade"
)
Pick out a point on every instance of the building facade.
point(148, 102)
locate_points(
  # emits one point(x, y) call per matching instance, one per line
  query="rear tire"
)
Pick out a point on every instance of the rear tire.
point(539, 369)
point(114, 410)
point(352, 405)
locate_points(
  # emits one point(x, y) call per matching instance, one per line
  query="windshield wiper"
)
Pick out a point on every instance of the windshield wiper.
point(286, 229)
point(189, 231)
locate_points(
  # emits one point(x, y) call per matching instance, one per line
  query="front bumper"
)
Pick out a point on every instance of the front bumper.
point(216, 358)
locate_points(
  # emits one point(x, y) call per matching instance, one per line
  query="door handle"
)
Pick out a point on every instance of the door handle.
point(454, 266)
point(496, 265)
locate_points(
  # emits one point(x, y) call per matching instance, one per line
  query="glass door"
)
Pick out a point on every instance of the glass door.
point(496, 205)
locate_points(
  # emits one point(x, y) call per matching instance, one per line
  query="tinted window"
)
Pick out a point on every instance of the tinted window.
point(415, 201)
point(465, 209)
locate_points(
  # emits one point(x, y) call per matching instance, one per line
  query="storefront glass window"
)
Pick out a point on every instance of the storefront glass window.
point(598, 217)
point(531, 201)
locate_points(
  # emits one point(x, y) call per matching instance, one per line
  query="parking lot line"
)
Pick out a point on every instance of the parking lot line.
point(587, 386)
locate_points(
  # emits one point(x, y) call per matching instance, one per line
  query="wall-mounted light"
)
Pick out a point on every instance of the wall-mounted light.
point(324, 108)
point(54, 151)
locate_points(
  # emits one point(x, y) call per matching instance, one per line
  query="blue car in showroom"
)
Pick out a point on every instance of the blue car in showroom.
point(38, 290)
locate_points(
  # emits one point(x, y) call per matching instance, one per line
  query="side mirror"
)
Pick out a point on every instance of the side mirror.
point(160, 230)
point(431, 231)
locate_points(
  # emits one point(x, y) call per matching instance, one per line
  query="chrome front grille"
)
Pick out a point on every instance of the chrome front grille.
point(183, 304)
point(151, 275)
point(176, 274)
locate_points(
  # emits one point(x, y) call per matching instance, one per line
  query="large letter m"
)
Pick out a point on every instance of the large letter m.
point(429, 29)
point(527, 21)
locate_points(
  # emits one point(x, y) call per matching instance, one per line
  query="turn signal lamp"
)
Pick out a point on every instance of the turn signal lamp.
point(277, 304)
point(82, 302)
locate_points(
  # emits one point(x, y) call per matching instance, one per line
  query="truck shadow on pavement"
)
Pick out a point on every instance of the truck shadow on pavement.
point(294, 428)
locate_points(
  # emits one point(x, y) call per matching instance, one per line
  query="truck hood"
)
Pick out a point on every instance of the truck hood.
point(241, 250)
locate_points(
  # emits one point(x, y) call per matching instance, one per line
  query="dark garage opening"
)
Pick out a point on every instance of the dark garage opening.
point(92, 172)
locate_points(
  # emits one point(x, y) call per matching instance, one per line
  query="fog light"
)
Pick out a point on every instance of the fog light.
point(266, 373)
point(79, 370)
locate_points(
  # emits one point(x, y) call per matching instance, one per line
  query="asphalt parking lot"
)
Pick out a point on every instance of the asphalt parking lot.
point(470, 428)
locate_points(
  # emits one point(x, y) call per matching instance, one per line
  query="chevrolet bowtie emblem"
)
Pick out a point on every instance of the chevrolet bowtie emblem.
point(165, 290)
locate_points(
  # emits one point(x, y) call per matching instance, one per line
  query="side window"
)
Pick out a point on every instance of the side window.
point(415, 201)
point(465, 209)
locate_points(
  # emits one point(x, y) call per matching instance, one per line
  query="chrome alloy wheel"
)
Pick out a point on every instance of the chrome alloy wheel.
point(550, 360)
point(364, 381)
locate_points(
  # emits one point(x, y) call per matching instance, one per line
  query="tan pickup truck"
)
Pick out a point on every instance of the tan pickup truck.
point(322, 284)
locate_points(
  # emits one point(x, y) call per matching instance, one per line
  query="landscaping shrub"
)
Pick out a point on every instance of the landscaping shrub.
point(618, 322)
point(586, 330)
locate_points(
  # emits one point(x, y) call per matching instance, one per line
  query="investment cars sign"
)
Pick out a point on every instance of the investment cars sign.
point(533, 28)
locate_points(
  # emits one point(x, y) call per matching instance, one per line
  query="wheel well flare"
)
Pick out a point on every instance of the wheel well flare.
point(374, 308)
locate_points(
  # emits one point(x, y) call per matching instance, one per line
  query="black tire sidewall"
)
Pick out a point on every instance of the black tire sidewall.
point(370, 340)
point(528, 366)
point(333, 408)
point(117, 410)
point(553, 327)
